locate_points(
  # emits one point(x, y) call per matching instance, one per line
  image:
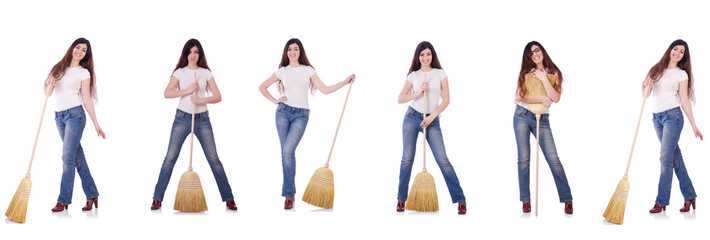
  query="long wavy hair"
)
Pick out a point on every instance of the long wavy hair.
point(182, 62)
point(416, 65)
point(528, 64)
point(302, 59)
point(656, 71)
point(87, 62)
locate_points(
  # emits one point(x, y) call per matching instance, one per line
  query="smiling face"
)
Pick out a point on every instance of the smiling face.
point(293, 52)
point(425, 57)
point(677, 54)
point(79, 52)
point(194, 56)
point(536, 54)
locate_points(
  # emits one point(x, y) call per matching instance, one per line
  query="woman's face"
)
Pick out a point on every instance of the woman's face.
point(536, 54)
point(293, 52)
point(194, 56)
point(425, 57)
point(677, 53)
point(79, 52)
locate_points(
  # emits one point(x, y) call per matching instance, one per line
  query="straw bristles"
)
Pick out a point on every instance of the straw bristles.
point(535, 88)
point(617, 205)
point(320, 190)
point(18, 206)
point(190, 197)
point(422, 196)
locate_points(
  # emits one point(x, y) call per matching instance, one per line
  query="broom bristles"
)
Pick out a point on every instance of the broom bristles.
point(320, 190)
point(18, 206)
point(617, 205)
point(422, 196)
point(536, 88)
point(190, 197)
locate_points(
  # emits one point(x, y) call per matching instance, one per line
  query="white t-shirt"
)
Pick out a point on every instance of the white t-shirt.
point(433, 78)
point(186, 78)
point(68, 88)
point(296, 81)
point(665, 91)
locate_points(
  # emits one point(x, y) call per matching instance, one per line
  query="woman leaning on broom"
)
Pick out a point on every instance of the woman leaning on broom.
point(436, 84)
point(74, 82)
point(183, 84)
point(537, 66)
point(294, 78)
point(671, 81)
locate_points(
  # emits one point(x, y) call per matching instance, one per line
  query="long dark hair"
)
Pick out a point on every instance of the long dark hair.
point(416, 65)
point(656, 71)
point(87, 62)
point(202, 62)
point(302, 59)
point(528, 64)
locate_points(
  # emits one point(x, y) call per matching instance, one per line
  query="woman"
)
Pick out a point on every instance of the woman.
point(74, 81)
point(537, 66)
point(425, 75)
point(191, 81)
point(671, 81)
point(294, 78)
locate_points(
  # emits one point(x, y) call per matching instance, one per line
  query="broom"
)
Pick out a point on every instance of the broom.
point(18, 206)
point(535, 88)
point(190, 197)
point(320, 191)
point(422, 196)
point(617, 205)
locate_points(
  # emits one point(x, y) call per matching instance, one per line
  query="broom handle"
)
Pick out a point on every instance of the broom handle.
point(537, 159)
point(338, 128)
point(424, 117)
point(626, 174)
point(192, 128)
point(34, 147)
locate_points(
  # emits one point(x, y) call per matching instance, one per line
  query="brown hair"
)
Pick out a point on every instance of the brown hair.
point(528, 64)
point(87, 62)
point(416, 65)
point(302, 59)
point(202, 62)
point(656, 71)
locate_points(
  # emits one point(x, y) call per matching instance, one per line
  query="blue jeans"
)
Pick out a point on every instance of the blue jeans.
point(70, 124)
point(524, 123)
point(203, 132)
point(410, 133)
point(668, 126)
point(290, 124)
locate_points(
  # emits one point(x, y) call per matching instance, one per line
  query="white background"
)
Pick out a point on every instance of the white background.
point(604, 49)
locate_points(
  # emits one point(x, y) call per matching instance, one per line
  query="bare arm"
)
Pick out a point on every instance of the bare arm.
point(49, 86)
point(215, 98)
point(315, 80)
point(173, 89)
point(263, 88)
point(407, 95)
point(552, 93)
point(685, 104)
point(89, 105)
point(532, 99)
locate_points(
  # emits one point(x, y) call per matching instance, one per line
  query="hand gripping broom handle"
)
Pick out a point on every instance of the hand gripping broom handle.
point(192, 128)
point(424, 117)
point(34, 147)
point(338, 128)
point(626, 174)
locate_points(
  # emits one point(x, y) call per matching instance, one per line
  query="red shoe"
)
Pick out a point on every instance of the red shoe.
point(90, 202)
point(526, 207)
point(400, 206)
point(462, 207)
point(568, 207)
point(687, 204)
point(288, 204)
point(155, 205)
point(60, 207)
point(231, 205)
point(657, 208)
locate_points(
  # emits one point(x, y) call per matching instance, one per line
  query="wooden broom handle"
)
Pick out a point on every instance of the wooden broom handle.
point(537, 160)
point(34, 147)
point(192, 128)
point(338, 128)
point(626, 174)
point(424, 117)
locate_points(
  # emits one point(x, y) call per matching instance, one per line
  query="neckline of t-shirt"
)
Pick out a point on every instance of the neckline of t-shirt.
point(432, 69)
point(299, 66)
point(77, 67)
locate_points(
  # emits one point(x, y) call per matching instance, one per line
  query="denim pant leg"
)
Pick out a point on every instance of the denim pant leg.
point(71, 127)
point(180, 131)
point(410, 133)
point(87, 181)
point(669, 125)
point(436, 143)
point(203, 132)
point(291, 125)
point(522, 128)
point(547, 145)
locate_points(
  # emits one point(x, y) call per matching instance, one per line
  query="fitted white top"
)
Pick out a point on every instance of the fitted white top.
point(296, 82)
point(665, 91)
point(186, 78)
point(68, 88)
point(433, 78)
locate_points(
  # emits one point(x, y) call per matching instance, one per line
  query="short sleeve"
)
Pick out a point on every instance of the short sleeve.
point(682, 76)
point(85, 74)
point(208, 74)
point(311, 71)
point(443, 74)
point(176, 73)
point(279, 73)
point(410, 78)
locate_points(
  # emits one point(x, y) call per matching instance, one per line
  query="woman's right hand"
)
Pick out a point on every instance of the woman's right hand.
point(193, 88)
point(647, 87)
point(48, 86)
point(282, 99)
point(423, 88)
point(547, 102)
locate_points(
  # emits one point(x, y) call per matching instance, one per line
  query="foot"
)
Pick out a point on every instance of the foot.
point(155, 205)
point(526, 207)
point(462, 207)
point(60, 207)
point(90, 203)
point(400, 206)
point(687, 205)
point(288, 204)
point(657, 208)
point(568, 207)
point(231, 205)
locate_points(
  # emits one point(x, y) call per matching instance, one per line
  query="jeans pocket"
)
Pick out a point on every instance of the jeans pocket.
point(179, 114)
point(280, 107)
point(519, 111)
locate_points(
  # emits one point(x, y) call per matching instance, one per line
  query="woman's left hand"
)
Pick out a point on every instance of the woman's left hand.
point(425, 123)
point(195, 99)
point(100, 132)
point(541, 75)
point(350, 79)
point(697, 132)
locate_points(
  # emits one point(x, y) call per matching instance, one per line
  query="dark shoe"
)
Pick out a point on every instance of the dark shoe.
point(526, 207)
point(462, 207)
point(155, 205)
point(657, 208)
point(687, 204)
point(60, 207)
point(400, 206)
point(568, 207)
point(288, 204)
point(90, 202)
point(231, 205)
